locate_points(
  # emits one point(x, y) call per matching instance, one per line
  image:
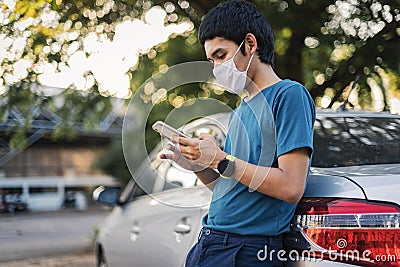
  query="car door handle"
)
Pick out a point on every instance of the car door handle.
point(135, 231)
point(182, 228)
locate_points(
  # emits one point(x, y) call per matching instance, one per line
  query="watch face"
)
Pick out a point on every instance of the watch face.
point(222, 165)
point(229, 169)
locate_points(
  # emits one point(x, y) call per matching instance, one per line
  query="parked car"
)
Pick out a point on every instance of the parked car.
point(349, 214)
point(2, 204)
point(12, 202)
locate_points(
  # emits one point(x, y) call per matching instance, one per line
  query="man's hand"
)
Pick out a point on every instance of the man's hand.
point(177, 157)
point(199, 155)
point(204, 151)
point(195, 154)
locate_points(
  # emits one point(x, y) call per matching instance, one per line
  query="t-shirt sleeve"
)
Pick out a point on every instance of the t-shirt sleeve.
point(294, 120)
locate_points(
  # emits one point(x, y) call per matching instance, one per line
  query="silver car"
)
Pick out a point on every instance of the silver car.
point(349, 214)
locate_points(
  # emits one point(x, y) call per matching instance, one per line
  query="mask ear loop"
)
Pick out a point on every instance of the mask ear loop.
point(251, 58)
point(237, 49)
point(248, 65)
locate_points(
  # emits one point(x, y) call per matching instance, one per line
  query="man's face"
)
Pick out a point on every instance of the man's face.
point(219, 50)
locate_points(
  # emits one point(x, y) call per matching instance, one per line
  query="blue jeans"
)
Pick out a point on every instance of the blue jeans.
point(216, 248)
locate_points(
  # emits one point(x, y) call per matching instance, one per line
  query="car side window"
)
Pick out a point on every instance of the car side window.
point(146, 177)
point(176, 176)
point(353, 141)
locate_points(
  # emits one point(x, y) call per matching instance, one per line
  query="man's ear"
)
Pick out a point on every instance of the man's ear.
point(251, 42)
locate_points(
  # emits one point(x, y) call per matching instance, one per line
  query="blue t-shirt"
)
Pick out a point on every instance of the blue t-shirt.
point(277, 120)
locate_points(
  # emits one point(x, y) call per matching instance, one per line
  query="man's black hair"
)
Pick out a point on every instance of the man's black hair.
point(234, 19)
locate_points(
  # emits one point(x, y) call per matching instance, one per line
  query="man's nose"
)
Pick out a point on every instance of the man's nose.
point(216, 64)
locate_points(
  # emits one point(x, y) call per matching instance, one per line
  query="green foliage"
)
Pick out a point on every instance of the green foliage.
point(323, 44)
point(18, 140)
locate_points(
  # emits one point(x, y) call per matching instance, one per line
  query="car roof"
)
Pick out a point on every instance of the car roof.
point(218, 118)
point(355, 113)
point(223, 118)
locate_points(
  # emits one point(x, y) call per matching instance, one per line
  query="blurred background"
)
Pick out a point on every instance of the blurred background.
point(69, 69)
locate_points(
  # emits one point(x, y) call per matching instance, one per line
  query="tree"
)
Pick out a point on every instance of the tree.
point(324, 44)
point(347, 37)
point(57, 55)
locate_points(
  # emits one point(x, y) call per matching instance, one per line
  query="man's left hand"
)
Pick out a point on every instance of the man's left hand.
point(203, 151)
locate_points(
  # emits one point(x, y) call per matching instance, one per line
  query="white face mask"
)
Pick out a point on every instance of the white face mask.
point(230, 77)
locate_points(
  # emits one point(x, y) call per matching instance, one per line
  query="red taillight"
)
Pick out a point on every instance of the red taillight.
point(356, 231)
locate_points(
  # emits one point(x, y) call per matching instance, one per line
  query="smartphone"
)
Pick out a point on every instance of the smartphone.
point(167, 130)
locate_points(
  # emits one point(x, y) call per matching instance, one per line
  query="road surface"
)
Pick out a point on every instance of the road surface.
point(34, 235)
point(80, 259)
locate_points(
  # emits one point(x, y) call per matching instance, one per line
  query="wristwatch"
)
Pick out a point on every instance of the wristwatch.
point(226, 167)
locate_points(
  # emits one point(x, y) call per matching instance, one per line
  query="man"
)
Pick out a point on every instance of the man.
point(254, 193)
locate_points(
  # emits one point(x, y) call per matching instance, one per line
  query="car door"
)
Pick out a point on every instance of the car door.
point(165, 223)
point(157, 227)
point(117, 233)
point(163, 235)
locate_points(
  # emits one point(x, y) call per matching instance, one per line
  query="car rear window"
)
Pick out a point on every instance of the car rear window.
point(349, 141)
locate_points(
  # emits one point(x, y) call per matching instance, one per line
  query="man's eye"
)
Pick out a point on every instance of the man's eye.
point(222, 56)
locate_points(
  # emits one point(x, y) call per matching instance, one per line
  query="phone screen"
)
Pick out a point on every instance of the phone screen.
point(167, 130)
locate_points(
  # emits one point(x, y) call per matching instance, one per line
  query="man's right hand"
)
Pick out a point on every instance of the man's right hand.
point(180, 159)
